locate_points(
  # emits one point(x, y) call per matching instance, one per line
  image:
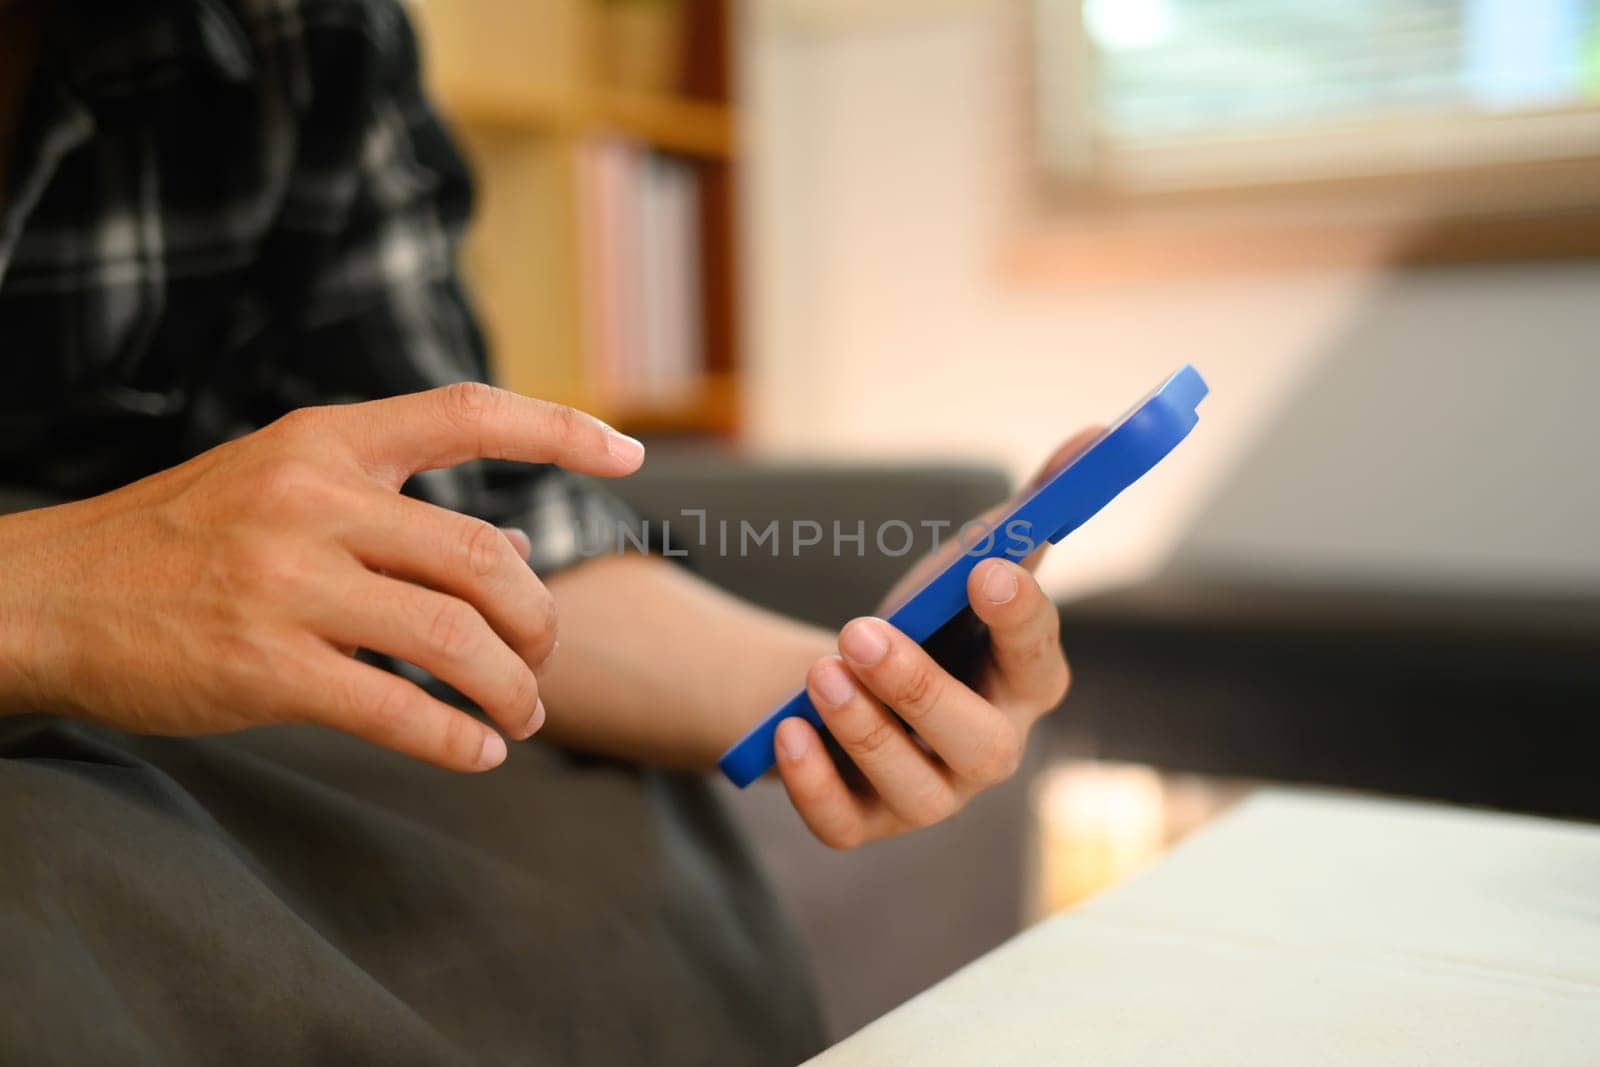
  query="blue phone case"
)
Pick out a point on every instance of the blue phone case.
point(1068, 499)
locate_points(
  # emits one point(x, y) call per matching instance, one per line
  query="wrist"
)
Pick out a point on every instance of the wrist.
point(17, 619)
point(657, 666)
point(22, 611)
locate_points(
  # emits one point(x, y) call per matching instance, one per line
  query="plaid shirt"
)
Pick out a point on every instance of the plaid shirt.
point(220, 210)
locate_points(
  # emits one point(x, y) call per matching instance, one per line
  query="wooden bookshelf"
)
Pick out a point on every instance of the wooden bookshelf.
point(531, 88)
point(668, 123)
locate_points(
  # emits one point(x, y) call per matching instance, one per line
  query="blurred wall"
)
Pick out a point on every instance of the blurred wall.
point(883, 159)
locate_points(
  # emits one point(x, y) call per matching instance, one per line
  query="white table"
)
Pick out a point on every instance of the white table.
point(1301, 930)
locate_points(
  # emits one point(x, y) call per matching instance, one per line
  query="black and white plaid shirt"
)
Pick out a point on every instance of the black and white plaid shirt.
point(220, 210)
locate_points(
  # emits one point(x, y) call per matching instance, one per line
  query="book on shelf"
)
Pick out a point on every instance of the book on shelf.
point(641, 263)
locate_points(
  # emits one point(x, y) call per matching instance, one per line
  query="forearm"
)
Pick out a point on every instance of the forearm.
point(37, 577)
point(658, 666)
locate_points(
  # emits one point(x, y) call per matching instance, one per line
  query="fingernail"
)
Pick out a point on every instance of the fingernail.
point(623, 447)
point(792, 742)
point(999, 585)
point(548, 656)
point(864, 642)
point(833, 685)
point(494, 751)
point(535, 720)
point(519, 540)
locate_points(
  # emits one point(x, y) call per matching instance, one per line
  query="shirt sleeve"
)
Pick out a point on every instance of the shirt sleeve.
point(360, 293)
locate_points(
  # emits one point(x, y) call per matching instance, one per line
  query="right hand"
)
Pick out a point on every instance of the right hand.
point(230, 591)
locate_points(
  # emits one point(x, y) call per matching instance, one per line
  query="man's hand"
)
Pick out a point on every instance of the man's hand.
point(231, 591)
point(966, 738)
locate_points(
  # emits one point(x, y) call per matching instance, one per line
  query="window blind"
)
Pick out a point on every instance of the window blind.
point(1162, 70)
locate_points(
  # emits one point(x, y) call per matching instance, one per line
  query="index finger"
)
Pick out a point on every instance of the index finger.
point(977, 740)
point(398, 436)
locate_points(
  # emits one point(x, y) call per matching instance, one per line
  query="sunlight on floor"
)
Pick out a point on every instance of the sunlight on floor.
point(1099, 823)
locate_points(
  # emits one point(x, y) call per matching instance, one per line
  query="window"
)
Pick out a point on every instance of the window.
point(1152, 96)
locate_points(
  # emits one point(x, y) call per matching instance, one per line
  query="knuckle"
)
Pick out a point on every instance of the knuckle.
point(933, 805)
point(468, 403)
point(450, 631)
point(285, 483)
point(303, 422)
point(549, 618)
point(874, 738)
point(1032, 653)
point(917, 692)
point(1060, 685)
point(542, 645)
point(256, 568)
point(467, 409)
point(253, 660)
point(1000, 756)
point(1050, 639)
point(537, 627)
point(483, 549)
point(566, 421)
point(459, 738)
point(387, 708)
point(524, 694)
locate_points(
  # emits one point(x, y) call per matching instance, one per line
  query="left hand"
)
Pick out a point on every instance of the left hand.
point(966, 738)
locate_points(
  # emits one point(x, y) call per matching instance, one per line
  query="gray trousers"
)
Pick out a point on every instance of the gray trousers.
point(291, 895)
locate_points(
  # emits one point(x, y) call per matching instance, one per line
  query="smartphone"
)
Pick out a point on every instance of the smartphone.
point(1063, 501)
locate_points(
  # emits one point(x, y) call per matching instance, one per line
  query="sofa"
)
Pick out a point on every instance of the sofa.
point(885, 922)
